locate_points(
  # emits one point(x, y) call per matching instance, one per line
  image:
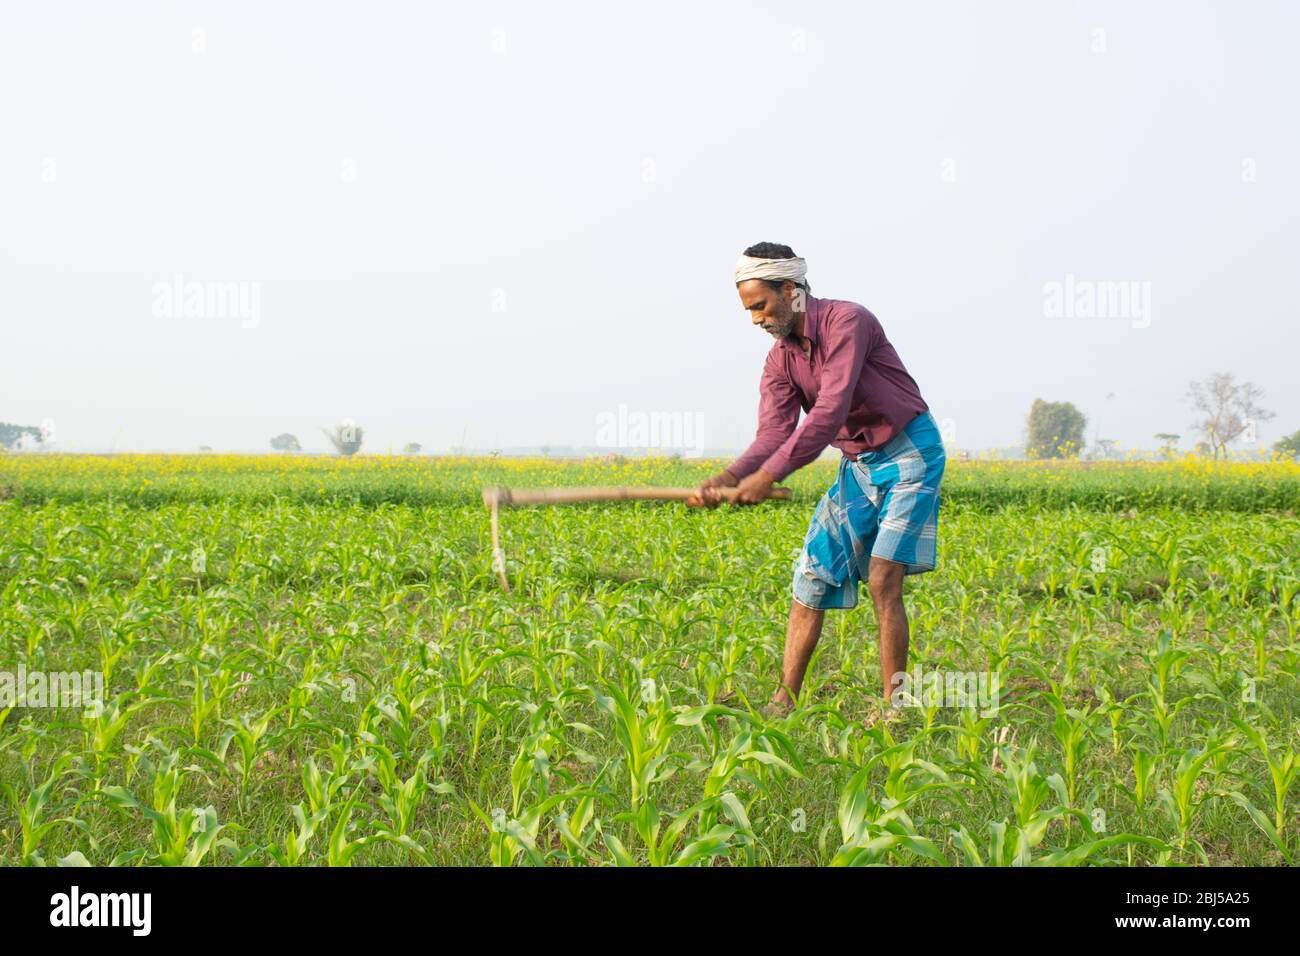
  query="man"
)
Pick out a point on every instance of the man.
point(878, 521)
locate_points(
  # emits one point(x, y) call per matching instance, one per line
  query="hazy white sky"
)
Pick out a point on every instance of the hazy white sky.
point(492, 223)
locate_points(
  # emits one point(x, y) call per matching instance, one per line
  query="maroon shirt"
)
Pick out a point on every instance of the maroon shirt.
point(854, 388)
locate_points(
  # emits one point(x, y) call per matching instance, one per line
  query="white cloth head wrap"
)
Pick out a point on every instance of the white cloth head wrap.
point(748, 267)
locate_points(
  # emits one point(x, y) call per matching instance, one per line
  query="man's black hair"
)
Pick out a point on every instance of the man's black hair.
point(773, 250)
point(770, 250)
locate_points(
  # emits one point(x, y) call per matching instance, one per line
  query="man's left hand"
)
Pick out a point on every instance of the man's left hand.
point(755, 488)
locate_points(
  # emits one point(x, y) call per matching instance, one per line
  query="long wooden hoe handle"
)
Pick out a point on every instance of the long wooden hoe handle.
point(509, 498)
point(496, 498)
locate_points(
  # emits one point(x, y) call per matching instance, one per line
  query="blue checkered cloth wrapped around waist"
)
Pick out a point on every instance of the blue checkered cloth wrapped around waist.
point(883, 504)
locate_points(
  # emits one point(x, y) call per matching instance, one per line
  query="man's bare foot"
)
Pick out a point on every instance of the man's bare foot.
point(883, 713)
point(779, 707)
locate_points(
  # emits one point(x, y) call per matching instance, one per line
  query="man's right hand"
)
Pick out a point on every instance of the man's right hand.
point(707, 496)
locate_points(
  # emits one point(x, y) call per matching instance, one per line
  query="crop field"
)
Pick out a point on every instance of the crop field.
point(310, 661)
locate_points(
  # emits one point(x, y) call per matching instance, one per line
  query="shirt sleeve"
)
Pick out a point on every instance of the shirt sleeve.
point(778, 414)
point(849, 337)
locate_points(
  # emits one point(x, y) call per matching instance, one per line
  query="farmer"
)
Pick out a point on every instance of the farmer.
point(878, 520)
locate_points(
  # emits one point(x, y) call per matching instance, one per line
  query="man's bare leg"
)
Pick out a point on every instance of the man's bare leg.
point(885, 579)
point(801, 637)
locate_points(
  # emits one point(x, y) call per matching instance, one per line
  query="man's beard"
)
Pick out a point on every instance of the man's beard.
point(780, 330)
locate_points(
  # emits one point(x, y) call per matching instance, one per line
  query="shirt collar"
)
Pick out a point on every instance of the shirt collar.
point(811, 321)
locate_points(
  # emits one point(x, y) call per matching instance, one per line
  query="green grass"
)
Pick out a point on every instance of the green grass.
point(340, 679)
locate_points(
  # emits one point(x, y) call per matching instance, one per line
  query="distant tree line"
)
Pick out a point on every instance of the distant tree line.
point(1227, 411)
point(11, 435)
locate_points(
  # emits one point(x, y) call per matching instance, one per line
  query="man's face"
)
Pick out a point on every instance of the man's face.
point(771, 309)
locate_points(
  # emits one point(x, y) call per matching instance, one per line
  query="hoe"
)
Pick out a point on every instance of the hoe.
point(497, 498)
